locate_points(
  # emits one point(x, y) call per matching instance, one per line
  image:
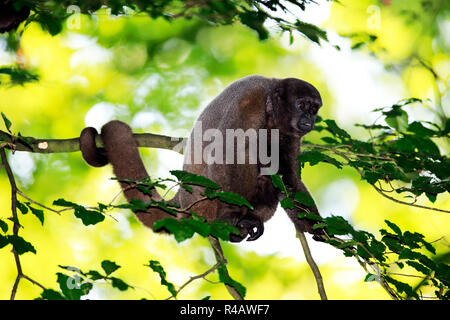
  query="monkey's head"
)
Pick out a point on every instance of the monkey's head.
point(295, 104)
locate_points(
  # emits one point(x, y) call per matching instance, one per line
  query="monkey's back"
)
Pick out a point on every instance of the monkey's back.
point(241, 105)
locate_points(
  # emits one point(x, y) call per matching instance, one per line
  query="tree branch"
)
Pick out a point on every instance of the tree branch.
point(200, 276)
point(16, 225)
point(312, 265)
point(30, 144)
point(220, 258)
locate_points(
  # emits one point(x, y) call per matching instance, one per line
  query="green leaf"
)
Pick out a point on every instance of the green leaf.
point(398, 121)
point(7, 122)
point(329, 140)
point(228, 197)
point(23, 208)
point(314, 157)
point(319, 225)
point(222, 229)
point(255, 20)
point(50, 22)
point(304, 198)
point(412, 240)
point(181, 231)
point(72, 287)
point(418, 128)
point(311, 31)
point(371, 176)
point(394, 227)
point(338, 226)
point(20, 245)
point(109, 266)
point(402, 287)
point(95, 275)
point(347, 244)
point(358, 45)
point(419, 267)
point(392, 243)
point(72, 269)
point(287, 203)
point(225, 278)
point(119, 284)
point(157, 267)
point(102, 207)
point(50, 294)
point(37, 212)
point(193, 179)
point(4, 241)
point(64, 203)
point(334, 129)
point(431, 196)
point(429, 247)
point(3, 226)
point(88, 217)
point(278, 183)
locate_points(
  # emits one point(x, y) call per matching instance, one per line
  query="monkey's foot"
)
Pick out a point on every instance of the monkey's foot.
point(248, 225)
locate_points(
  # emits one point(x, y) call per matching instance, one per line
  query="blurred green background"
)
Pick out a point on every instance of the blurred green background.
point(158, 76)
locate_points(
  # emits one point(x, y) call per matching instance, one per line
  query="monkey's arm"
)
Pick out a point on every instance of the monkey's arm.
point(292, 179)
point(303, 225)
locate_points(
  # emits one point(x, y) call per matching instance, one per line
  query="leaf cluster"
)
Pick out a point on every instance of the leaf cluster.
point(402, 154)
point(79, 283)
point(252, 13)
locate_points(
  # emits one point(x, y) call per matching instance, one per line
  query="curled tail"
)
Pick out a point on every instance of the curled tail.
point(120, 149)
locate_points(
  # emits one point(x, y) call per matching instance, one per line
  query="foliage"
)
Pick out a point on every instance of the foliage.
point(79, 283)
point(252, 13)
point(397, 153)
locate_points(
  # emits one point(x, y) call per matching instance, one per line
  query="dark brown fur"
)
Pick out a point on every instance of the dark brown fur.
point(253, 102)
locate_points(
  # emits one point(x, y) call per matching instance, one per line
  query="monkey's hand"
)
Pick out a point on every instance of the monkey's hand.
point(251, 225)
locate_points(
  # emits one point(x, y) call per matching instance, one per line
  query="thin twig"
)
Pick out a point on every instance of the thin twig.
point(41, 205)
point(312, 265)
point(408, 203)
point(200, 276)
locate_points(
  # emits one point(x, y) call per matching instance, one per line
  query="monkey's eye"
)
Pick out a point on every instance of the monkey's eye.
point(299, 105)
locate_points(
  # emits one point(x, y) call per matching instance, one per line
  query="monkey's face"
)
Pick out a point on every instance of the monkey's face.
point(304, 115)
point(298, 105)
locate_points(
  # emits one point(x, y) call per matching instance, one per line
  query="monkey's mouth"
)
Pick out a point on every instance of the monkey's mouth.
point(300, 130)
point(305, 127)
